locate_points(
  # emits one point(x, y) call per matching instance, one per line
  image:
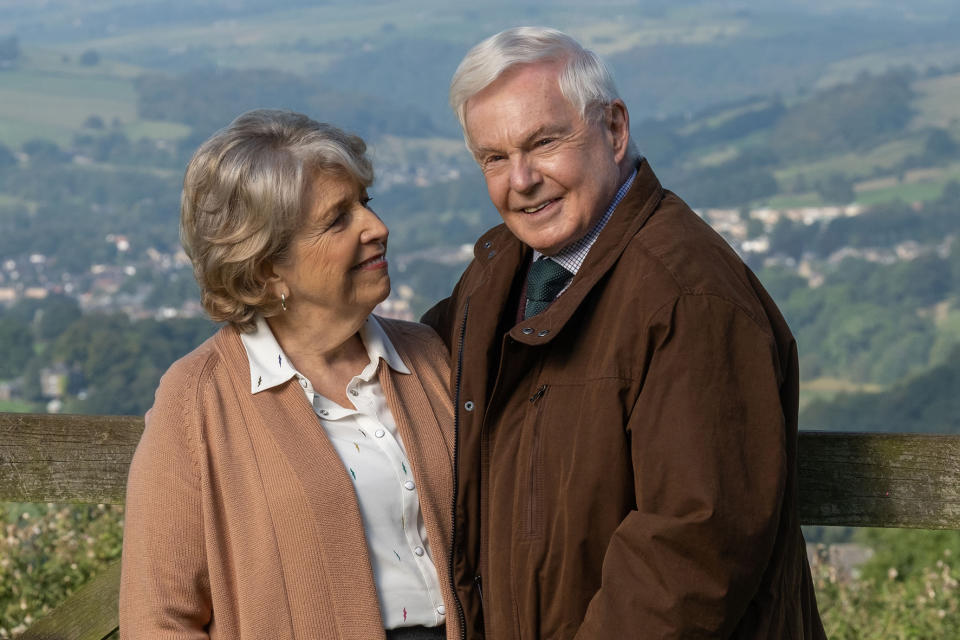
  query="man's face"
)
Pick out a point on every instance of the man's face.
point(549, 172)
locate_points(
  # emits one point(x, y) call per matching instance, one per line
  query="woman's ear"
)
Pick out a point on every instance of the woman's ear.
point(272, 281)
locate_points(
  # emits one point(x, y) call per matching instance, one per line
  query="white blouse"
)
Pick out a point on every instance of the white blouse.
point(366, 439)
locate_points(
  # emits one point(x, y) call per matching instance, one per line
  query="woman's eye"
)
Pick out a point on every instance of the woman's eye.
point(365, 201)
point(339, 220)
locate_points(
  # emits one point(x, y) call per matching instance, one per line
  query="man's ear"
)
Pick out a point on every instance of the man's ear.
point(617, 124)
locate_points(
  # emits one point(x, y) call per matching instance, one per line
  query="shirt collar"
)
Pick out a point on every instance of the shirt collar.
point(572, 256)
point(269, 365)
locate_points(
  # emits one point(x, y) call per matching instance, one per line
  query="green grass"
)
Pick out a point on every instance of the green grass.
point(947, 339)
point(615, 36)
point(40, 101)
point(920, 57)
point(47, 97)
point(917, 192)
point(938, 102)
point(18, 406)
point(263, 41)
point(828, 388)
point(853, 165)
point(155, 130)
point(7, 200)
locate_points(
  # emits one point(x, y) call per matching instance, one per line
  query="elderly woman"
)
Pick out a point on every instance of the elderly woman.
point(294, 478)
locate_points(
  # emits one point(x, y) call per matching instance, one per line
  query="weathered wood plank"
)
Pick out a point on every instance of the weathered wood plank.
point(880, 480)
point(89, 614)
point(852, 479)
point(66, 458)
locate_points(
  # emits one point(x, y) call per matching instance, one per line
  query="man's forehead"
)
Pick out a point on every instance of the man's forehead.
point(539, 76)
point(522, 105)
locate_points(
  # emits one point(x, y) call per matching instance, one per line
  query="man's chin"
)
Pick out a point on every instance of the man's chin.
point(547, 244)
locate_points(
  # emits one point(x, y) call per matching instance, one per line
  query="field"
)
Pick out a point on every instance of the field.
point(51, 96)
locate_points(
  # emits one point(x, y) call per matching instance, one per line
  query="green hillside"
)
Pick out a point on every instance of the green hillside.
point(927, 403)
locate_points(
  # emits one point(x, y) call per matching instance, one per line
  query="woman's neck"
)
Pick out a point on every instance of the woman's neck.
point(326, 349)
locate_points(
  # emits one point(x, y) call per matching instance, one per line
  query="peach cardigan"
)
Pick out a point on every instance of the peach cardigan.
point(241, 521)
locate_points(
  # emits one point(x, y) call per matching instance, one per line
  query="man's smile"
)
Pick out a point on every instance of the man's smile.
point(539, 207)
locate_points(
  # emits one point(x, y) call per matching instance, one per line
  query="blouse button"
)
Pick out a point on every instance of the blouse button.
point(354, 392)
point(418, 550)
point(324, 412)
point(442, 610)
point(408, 485)
point(303, 382)
point(379, 433)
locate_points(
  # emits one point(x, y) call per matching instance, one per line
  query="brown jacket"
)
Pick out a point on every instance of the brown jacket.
point(626, 460)
point(241, 521)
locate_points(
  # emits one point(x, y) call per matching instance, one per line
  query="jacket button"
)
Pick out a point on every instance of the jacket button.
point(543, 332)
point(526, 331)
point(492, 253)
point(468, 405)
point(487, 244)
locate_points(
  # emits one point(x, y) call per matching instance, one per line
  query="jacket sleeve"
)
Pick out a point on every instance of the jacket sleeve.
point(707, 437)
point(164, 586)
point(443, 317)
point(438, 318)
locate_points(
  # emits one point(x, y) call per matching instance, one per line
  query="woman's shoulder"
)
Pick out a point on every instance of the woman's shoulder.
point(186, 377)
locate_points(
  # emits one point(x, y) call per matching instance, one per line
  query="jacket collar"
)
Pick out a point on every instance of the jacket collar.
point(500, 255)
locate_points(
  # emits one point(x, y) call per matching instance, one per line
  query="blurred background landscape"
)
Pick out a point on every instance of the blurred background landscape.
point(822, 139)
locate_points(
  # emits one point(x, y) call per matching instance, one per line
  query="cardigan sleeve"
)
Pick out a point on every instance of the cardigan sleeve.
point(164, 586)
point(707, 437)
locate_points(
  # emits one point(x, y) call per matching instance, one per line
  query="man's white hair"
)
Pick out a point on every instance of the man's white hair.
point(585, 81)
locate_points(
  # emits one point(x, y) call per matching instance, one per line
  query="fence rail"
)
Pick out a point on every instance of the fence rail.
point(846, 479)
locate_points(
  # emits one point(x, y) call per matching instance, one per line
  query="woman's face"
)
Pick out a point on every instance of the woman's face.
point(337, 260)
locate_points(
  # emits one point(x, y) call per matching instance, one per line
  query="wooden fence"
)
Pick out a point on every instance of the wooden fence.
point(846, 479)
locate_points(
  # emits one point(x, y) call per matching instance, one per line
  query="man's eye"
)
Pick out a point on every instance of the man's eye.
point(542, 142)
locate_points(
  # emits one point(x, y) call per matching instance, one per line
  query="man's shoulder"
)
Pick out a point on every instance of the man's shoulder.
point(407, 335)
point(679, 252)
point(417, 343)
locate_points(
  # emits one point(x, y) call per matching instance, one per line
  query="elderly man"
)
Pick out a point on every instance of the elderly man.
point(626, 390)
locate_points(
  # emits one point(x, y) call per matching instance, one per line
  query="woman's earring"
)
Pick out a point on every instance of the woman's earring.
point(283, 302)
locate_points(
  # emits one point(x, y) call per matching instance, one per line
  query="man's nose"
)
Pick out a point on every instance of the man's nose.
point(524, 175)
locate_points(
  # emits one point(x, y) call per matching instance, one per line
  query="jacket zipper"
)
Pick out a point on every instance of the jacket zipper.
point(478, 583)
point(456, 471)
point(531, 528)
